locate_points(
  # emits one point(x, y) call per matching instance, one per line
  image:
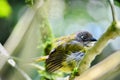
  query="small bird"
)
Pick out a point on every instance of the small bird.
point(68, 52)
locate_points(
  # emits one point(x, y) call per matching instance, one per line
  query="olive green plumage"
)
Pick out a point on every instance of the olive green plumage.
point(68, 52)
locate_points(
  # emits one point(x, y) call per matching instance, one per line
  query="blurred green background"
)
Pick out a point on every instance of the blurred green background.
point(64, 17)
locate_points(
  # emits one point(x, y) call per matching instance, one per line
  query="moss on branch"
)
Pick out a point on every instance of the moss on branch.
point(44, 25)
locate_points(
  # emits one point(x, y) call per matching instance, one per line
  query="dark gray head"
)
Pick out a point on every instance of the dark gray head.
point(85, 37)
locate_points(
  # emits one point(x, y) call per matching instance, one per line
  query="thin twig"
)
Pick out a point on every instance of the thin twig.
point(42, 58)
point(4, 54)
point(37, 66)
point(111, 2)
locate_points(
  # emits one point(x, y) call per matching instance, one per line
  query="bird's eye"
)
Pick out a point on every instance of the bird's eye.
point(83, 37)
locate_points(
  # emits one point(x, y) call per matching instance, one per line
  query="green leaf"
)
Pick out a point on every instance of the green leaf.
point(117, 2)
point(5, 9)
point(30, 2)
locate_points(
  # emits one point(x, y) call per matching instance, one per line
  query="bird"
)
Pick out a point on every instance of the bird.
point(68, 52)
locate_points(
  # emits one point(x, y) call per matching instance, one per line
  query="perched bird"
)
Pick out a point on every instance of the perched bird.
point(68, 52)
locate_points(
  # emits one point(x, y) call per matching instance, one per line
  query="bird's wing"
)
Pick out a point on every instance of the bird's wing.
point(59, 54)
point(55, 59)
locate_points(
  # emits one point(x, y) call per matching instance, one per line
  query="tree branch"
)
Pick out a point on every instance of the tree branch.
point(101, 69)
point(4, 55)
point(44, 25)
point(112, 32)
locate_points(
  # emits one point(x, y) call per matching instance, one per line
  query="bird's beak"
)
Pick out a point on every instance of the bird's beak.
point(93, 39)
point(91, 42)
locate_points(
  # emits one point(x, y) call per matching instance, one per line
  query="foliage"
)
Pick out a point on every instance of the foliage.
point(30, 2)
point(49, 18)
point(5, 9)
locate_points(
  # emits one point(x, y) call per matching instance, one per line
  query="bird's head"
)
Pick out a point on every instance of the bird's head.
point(86, 38)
